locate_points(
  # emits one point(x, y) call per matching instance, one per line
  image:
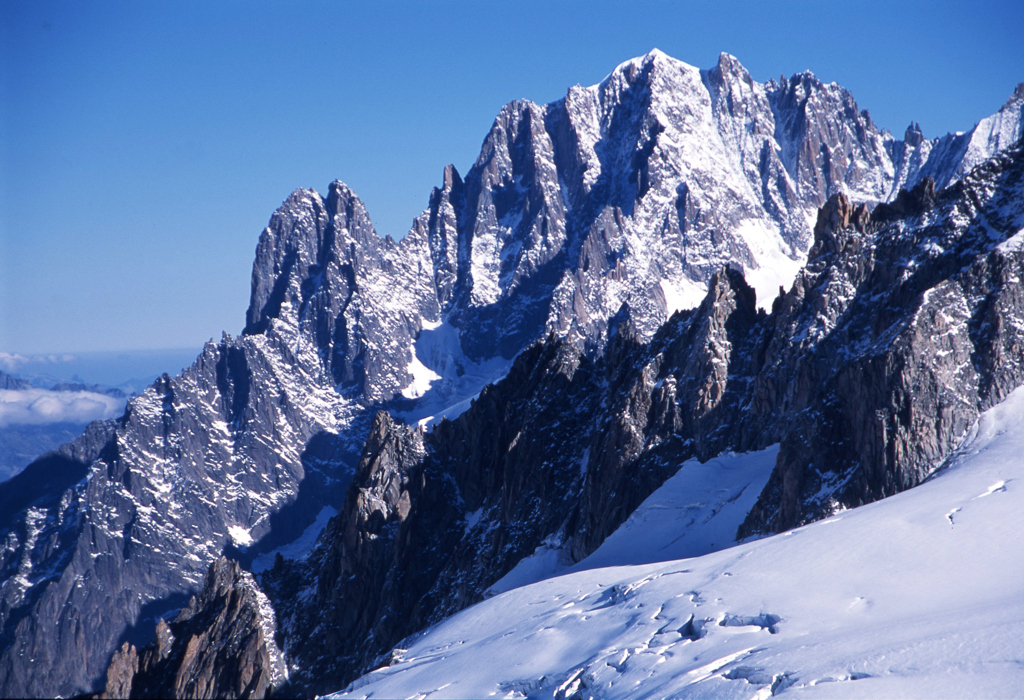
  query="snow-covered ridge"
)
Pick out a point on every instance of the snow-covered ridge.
point(631, 193)
point(647, 183)
point(694, 512)
point(919, 595)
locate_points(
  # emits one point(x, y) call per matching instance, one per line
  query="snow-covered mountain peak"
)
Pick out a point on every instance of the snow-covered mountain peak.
point(658, 54)
point(630, 194)
point(996, 132)
point(343, 201)
point(644, 72)
point(730, 68)
point(631, 191)
point(639, 65)
point(949, 158)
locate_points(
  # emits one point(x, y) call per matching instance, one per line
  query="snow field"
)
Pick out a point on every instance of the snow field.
point(918, 595)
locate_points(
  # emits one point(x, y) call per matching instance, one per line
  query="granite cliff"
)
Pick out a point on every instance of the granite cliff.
point(606, 254)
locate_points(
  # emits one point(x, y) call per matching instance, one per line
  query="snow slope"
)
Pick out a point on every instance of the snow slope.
point(918, 595)
point(695, 512)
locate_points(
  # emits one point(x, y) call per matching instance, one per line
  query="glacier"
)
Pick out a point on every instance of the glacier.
point(598, 214)
point(917, 595)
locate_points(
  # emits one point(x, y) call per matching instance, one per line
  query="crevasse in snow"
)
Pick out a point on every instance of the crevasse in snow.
point(916, 595)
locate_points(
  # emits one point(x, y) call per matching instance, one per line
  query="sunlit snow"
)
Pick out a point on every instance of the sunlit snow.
point(695, 512)
point(1012, 244)
point(918, 595)
point(240, 536)
point(422, 378)
point(300, 548)
point(450, 380)
point(682, 294)
point(774, 268)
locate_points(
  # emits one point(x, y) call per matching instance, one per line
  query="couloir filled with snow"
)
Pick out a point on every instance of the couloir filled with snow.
point(918, 595)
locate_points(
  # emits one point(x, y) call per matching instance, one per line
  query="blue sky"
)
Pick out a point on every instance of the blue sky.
point(144, 145)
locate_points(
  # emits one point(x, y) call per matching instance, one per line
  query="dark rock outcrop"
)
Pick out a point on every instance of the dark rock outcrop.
point(8, 381)
point(869, 371)
point(438, 516)
point(556, 454)
point(635, 194)
point(221, 645)
point(238, 454)
point(901, 329)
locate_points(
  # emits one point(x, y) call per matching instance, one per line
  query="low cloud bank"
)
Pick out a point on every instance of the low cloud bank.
point(12, 361)
point(42, 406)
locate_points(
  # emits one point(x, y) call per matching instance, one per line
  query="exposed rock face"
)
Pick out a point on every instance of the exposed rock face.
point(905, 324)
point(672, 400)
point(8, 381)
point(437, 515)
point(219, 646)
point(654, 179)
point(898, 333)
point(560, 452)
point(322, 272)
point(122, 524)
point(632, 193)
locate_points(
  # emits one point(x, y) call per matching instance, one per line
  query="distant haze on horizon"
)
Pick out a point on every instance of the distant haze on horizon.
point(130, 370)
point(145, 145)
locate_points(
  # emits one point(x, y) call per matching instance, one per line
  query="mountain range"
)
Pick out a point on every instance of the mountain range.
point(663, 268)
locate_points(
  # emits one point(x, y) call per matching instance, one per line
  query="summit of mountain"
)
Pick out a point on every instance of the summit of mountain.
point(664, 200)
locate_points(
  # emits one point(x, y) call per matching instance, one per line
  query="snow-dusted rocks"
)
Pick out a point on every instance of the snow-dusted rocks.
point(220, 645)
point(919, 595)
point(950, 157)
point(905, 325)
point(902, 327)
point(119, 527)
point(325, 281)
point(644, 185)
point(636, 190)
point(587, 221)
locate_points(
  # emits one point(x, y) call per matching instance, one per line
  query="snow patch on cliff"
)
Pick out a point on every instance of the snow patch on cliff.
point(300, 548)
point(775, 267)
point(422, 378)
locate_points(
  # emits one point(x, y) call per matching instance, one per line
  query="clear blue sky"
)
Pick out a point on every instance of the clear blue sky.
point(145, 145)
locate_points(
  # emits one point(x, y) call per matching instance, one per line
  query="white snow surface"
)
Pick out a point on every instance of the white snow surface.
point(917, 595)
point(996, 132)
point(450, 380)
point(775, 268)
point(682, 294)
point(1012, 244)
point(549, 559)
point(694, 512)
point(240, 537)
point(422, 378)
point(299, 548)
